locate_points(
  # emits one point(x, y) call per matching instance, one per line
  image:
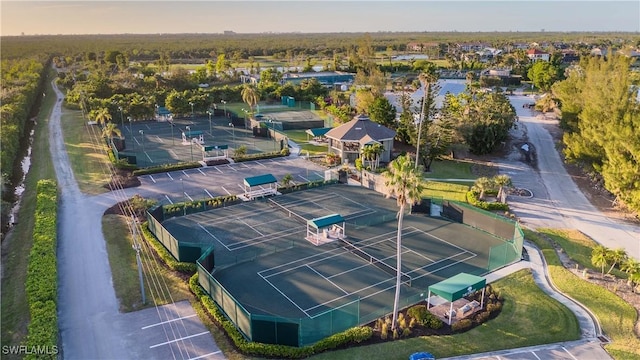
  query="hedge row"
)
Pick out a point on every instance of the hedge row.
point(166, 168)
point(196, 206)
point(472, 198)
point(42, 275)
point(259, 156)
point(172, 263)
point(350, 336)
point(306, 186)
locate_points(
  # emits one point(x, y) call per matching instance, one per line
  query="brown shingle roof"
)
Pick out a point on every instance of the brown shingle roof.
point(361, 128)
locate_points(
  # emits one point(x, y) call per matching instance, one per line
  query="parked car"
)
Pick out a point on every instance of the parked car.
point(422, 356)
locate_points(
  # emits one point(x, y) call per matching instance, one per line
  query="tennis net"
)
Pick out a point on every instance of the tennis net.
point(406, 279)
point(301, 219)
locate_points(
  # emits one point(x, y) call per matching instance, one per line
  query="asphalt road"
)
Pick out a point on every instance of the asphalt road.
point(557, 200)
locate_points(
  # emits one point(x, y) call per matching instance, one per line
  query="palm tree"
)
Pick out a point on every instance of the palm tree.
point(482, 185)
point(502, 181)
point(377, 150)
point(103, 116)
point(630, 266)
point(616, 257)
point(250, 95)
point(635, 280)
point(110, 130)
point(599, 257)
point(404, 182)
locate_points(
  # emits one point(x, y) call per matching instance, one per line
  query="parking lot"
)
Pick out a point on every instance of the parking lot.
point(220, 180)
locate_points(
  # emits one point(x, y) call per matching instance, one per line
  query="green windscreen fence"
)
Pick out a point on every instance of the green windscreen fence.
point(182, 251)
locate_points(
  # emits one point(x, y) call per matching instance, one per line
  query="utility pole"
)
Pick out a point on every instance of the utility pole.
point(424, 100)
point(136, 246)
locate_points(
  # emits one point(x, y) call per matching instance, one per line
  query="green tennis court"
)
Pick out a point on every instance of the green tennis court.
point(151, 143)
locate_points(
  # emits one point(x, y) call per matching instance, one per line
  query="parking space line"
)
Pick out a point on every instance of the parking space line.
point(228, 192)
point(570, 354)
point(168, 199)
point(208, 193)
point(205, 355)
point(261, 164)
point(187, 175)
point(169, 175)
point(187, 195)
point(240, 186)
point(176, 340)
point(168, 321)
point(202, 172)
point(536, 355)
point(152, 179)
point(303, 178)
point(220, 171)
point(230, 167)
point(245, 165)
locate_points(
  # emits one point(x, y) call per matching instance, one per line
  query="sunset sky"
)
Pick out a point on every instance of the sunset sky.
point(151, 17)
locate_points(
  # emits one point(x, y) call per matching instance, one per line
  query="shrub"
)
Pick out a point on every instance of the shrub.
point(482, 316)
point(434, 322)
point(462, 325)
point(493, 307)
point(163, 253)
point(166, 168)
point(420, 313)
point(406, 332)
point(472, 198)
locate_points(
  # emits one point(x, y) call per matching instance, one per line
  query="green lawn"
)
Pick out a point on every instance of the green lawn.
point(87, 152)
point(529, 317)
point(17, 244)
point(445, 191)
point(616, 316)
point(124, 271)
point(300, 138)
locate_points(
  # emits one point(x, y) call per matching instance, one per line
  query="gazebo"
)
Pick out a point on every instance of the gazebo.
point(325, 229)
point(253, 186)
point(457, 287)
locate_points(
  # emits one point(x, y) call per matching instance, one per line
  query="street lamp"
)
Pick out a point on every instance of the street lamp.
point(191, 103)
point(121, 118)
point(209, 113)
point(224, 105)
point(130, 125)
point(233, 132)
point(142, 134)
point(274, 133)
point(190, 140)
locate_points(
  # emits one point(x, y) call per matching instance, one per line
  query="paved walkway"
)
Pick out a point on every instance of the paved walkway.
point(588, 347)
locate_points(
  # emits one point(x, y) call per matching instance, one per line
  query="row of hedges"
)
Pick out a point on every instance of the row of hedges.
point(42, 274)
point(351, 336)
point(306, 186)
point(260, 156)
point(166, 168)
point(472, 198)
point(196, 206)
point(163, 253)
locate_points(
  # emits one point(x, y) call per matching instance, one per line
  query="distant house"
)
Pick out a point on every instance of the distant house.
point(598, 52)
point(419, 47)
point(569, 56)
point(348, 140)
point(473, 46)
point(535, 55)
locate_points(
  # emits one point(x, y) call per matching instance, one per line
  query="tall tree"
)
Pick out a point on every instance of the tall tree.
point(599, 257)
point(404, 182)
point(382, 112)
point(110, 130)
point(543, 74)
point(429, 79)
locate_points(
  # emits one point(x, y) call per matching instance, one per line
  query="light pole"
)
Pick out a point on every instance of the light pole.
point(130, 125)
point(274, 133)
point(224, 105)
point(136, 246)
point(190, 140)
point(142, 134)
point(191, 103)
point(233, 132)
point(209, 113)
point(121, 118)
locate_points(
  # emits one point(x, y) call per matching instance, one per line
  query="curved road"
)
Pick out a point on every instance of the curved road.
point(557, 201)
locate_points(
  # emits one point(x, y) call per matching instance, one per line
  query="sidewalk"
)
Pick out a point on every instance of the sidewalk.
point(588, 347)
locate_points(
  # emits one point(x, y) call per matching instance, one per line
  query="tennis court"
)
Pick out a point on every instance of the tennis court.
point(290, 119)
point(153, 143)
point(264, 262)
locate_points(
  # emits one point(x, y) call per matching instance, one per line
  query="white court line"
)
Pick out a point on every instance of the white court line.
point(285, 296)
point(180, 339)
point(148, 157)
point(168, 321)
point(208, 193)
point(148, 128)
point(202, 172)
point(205, 355)
point(134, 138)
point(570, 354)
point(188, 196)
point(152, 179)
point(159, 138)
point(173, 153)
point(252, 228)
point(168, 199)
point(169, 175)
point(332, 283)
point(185, 174)
point(227, 191)
point(220, 171)
point(214, 237)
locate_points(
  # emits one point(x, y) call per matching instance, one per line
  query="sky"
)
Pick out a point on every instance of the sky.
point(309, 16)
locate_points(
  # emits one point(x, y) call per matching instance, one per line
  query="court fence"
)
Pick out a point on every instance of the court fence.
point(297, 332)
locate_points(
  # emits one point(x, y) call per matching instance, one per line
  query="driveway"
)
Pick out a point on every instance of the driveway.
point(557, 201)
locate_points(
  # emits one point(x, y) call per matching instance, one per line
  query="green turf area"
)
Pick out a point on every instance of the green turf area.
point(300, 138)
point(124, 270)
point(616, 316)
point(529, 317)
point(17, 244)
point(445, 191)
point(87, 152)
